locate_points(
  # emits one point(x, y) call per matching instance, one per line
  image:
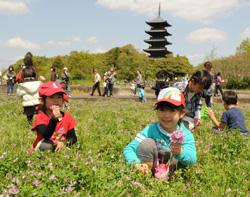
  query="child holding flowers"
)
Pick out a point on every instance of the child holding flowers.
point(54, 128)
point(167, 143)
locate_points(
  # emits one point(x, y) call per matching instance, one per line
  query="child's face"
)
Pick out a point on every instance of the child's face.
point(195, 87)
point(169, 118)
point(55, 99)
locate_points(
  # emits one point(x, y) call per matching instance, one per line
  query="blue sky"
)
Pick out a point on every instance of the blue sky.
point(56, 27)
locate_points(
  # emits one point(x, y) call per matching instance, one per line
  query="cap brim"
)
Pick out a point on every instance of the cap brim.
point(176, 103)
point(50, 93)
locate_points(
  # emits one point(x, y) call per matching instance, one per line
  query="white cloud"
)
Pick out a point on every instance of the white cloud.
point(17, 42)
point(64, 43)
point(100, 50)
point(13, 7)
point(206, 35)
point(51, 42)
point(187, 9)
point(92, 40)
point(246, 33)
point(61, 43)
point(76, 39)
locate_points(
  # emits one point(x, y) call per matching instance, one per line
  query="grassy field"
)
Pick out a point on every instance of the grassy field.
point(96, 167)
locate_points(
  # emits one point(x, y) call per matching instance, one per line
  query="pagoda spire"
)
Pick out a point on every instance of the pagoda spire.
point(159, 10)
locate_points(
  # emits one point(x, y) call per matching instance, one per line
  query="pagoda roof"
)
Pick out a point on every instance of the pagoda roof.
point(158, 31)
point(155, 49)
point(157, 40)
point(158, 20)
point(157, 53)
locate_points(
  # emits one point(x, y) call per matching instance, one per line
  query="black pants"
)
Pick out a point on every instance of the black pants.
point(29, 111)
point(96, 86)
point(110, 89)
point(218, 87)
point(208, 101)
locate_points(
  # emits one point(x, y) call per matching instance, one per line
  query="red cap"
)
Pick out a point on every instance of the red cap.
point(171, 95)
point(50, 88)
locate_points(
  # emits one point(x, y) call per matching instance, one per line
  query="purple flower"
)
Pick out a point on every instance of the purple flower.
point(177, 137)
point(36, 183)
point(13, 190)
point(69, 189)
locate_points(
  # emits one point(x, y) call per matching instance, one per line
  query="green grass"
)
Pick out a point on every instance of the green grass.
point(95, 165)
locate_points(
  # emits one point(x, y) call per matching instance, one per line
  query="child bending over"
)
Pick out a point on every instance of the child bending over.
point(232, 117)
point(154, 145)
point(199, 81)
point(55, 129)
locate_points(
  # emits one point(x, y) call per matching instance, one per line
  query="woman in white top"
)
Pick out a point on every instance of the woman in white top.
point(97, 80)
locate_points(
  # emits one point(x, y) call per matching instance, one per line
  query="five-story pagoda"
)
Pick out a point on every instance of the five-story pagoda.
point(157, 39)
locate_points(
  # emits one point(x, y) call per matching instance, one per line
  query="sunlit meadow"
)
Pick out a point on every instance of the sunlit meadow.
point(95, 165)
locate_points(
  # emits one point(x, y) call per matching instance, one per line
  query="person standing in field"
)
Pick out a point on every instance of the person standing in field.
point(105, 83)
point(53, 74)
point(160, 84)
point(97, 81)
point(208, 93)
point(138, 79)
point(141, 93)
point(111, 81)
point(65, 78)
point(11, 80)
point(28, 87)
point(218, 84)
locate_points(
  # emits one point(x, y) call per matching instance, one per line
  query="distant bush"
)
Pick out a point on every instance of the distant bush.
point(233, 83)
point(246, 80)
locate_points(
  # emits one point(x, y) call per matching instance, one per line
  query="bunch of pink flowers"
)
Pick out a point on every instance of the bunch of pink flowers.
point(162, 170)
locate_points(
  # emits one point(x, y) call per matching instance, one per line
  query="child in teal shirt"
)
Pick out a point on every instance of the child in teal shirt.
point(155, 139)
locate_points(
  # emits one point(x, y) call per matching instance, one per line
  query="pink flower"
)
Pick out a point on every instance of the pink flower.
point(13, 189)
point(161, 172)
point(177, 137)
point(36, 183)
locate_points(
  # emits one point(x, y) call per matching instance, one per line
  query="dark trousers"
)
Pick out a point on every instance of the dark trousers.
point(208, 101)
point(47, 145)
point(29, 111)
point(96, 86)
point(218, 87)
point(110, 89)
point(10, 88)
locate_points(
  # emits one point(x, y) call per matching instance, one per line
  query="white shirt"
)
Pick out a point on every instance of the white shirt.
point(97, 77)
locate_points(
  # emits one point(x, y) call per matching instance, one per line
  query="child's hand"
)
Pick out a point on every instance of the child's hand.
point(30, 150)
point(56, 112)
point(176, 149)
point(59, 146)
point(197, 122)
point(143, 167)
point(210, 112)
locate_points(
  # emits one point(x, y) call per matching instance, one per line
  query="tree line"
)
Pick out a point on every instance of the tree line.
point(126, 60)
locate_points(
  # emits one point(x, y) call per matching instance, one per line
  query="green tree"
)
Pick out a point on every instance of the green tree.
point(58, 63)
point(244, 47)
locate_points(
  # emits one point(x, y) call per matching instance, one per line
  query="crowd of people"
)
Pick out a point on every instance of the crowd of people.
point(161, 147)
